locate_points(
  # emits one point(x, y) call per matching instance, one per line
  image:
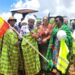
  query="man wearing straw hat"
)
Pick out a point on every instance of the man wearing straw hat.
point(10, 53)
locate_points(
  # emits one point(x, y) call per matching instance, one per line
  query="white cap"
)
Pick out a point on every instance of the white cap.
point(30, 17)
point(24, 22)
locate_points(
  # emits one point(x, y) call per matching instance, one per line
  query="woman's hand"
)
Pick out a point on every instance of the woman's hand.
point(44, 40)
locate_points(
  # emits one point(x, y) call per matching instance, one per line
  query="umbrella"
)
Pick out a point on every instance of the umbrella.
point(24, 12)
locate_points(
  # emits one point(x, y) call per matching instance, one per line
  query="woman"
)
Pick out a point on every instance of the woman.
point(43, 35)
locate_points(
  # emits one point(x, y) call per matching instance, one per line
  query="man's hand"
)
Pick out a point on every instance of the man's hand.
point(34, 35)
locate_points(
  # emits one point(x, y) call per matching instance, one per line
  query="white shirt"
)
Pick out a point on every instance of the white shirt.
point(24, 30)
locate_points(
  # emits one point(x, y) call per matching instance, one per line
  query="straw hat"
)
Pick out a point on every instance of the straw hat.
point(12, 18)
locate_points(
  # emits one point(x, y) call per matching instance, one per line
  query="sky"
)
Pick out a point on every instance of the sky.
point(55, 7)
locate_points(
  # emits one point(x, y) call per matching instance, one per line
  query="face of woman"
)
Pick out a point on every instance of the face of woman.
point(45, 20)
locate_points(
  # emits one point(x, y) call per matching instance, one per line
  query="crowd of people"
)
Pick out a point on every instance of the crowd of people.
point(46, 47)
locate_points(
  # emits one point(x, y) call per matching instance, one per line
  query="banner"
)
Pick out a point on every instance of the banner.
point(3, 27)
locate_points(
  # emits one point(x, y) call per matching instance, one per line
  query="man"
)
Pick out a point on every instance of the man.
point(29, 44)
point(56, 43)
point(10, 53)
point(27, 28)
point(73, 25)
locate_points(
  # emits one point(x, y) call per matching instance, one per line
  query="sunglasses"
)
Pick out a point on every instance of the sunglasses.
point(56, 20)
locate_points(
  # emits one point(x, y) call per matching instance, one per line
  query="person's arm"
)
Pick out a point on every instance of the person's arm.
point(45, 39)
point(36, 35)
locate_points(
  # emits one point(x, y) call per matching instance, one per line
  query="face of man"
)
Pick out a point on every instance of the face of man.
point(58, 22)
point(31, 22)
point(12, 22)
